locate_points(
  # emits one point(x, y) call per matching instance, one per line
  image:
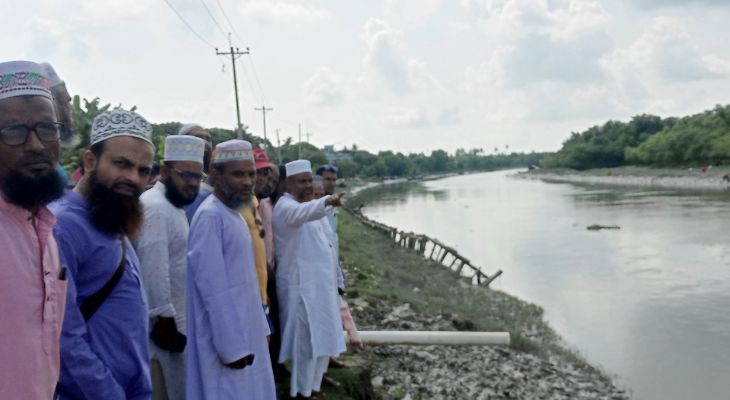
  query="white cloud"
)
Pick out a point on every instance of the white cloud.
point(386, 59)
point(420, 117)
point(538, 42)
point(282, 13)
point(50, 38)
point(407, 118)
point(384, 55)
point(665, 53)
point(716, 65)
point(410, 12)
point(113, 9)
point(324, 88)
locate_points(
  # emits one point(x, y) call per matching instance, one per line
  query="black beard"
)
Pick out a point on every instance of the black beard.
point(32, 192)
point(174, 195)
point(112, 212)
point(263, 194)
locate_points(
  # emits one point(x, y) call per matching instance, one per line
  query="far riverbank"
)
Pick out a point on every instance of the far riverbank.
point(708, 178)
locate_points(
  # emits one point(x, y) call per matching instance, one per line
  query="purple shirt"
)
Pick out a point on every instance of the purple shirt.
point(32, 299)
point(106, 357)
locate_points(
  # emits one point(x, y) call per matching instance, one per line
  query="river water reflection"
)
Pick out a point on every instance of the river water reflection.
point(649, 303)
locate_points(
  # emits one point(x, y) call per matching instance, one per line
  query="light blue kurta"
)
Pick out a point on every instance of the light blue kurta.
point(306, 280)
point(225, 317)
point(106, 357)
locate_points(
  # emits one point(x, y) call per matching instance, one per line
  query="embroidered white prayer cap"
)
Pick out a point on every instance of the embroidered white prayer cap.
point(298, 167)
point(184, 148)
point(53, 77)
point(23, 78)
point(120, 122)
point(232, 150)
point(185, 129)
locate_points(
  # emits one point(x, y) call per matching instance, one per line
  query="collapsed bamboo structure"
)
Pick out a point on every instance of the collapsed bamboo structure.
point(431, 249)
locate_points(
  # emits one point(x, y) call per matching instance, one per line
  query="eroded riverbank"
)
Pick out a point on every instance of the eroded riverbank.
point(391, 288)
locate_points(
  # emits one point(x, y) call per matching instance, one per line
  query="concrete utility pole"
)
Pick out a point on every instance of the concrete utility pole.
point(263, 110)
point(300, 141)
point(278, 146)
point(235, 53)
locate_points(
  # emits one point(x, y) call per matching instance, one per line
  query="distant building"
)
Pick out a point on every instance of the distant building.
point(333, 156)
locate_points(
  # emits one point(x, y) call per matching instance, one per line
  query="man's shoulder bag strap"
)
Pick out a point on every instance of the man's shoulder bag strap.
point(93, 302)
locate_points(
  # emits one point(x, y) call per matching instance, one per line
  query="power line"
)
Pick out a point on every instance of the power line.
point(187, 24)
point(250, 85)
point(250, 58)
point(235, 53)
point(230, 25)
point(210, 14)
point(256, 76)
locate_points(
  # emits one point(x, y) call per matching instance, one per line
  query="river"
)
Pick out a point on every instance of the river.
point(649, 303)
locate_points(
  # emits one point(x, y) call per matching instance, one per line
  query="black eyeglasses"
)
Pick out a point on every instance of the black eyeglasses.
point(16, 135)
point(187, 175)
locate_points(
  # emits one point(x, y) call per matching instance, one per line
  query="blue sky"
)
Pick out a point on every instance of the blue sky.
point(410, 75)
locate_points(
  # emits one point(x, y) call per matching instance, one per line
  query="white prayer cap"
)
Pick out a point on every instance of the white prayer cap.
point(120, 123)
point(53, 77)
point(185, 129)
point(23, 78)
point(232, 150)
point(298, 167)
point(184, 148)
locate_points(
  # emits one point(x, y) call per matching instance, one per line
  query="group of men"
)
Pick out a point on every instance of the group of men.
point(108, 291)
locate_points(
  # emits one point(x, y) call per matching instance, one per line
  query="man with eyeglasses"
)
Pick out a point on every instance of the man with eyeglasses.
point(104, 345)
point(32, 279)
point(162, 249)
point(205, 189)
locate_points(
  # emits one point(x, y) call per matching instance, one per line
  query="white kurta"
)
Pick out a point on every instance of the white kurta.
point(162, 250)
point(226, 319)
point(306, 280)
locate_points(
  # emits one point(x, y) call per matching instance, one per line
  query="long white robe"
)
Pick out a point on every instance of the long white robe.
point(306, 280)
point(225, 316)
point(162, 250)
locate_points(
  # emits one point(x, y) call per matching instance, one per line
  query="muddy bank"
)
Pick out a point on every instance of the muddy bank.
point(394, 289)
point(717, 178)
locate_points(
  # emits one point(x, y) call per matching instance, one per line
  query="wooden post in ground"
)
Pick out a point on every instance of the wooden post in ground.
point(491, 278)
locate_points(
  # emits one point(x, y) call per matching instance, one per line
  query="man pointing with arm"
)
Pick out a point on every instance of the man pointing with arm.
point(306, 281)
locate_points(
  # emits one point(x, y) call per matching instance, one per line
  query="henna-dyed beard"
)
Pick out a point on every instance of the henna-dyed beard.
point(113, 212)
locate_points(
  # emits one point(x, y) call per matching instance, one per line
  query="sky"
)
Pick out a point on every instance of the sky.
point(408, 75)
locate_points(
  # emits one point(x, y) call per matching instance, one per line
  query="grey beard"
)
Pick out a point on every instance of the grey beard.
point(233, 201)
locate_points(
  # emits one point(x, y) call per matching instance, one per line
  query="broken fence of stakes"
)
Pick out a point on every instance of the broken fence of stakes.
point(431, 249)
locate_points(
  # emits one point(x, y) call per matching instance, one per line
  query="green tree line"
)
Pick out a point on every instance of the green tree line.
point(700, 139)
point(354, 162)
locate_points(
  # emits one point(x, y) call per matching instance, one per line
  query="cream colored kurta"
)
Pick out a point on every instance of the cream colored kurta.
point(306, 280)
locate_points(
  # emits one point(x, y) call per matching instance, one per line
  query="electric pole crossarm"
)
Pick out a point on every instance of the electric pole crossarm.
point(263, 110)
point(235, 53)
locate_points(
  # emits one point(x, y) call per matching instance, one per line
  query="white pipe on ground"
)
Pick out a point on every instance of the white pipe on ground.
point(423, 338)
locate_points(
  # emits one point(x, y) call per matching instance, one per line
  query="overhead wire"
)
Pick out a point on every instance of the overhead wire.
point(215, 21)
point(188, 25)
point(250, 57)
point(230, 24)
